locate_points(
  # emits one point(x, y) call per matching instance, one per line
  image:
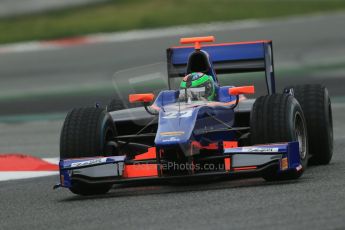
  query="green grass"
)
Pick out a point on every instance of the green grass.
point(119, 15)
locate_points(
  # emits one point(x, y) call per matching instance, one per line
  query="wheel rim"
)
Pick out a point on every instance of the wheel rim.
point(301, 135)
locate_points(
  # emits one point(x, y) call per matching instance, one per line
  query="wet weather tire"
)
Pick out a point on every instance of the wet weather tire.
point(317, 109)
point(279, 118)
point(85, 133)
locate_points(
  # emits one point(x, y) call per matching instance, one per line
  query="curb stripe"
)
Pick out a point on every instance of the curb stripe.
point(14, 166)
point(64, 42)
point(132, 35)
point(21, 162)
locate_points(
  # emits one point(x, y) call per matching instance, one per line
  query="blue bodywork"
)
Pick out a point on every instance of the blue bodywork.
point(222, 53)
point(257, 155)
point(190, 124)
point(187, 120)
point(228, 58)
point(180, 124)
point(224, 58)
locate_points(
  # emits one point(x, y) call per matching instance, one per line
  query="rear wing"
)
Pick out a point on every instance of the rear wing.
point(228, 58)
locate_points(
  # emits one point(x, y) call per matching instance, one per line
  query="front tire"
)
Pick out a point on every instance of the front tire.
point(86, 133)
point(279, 118)
point(316, 104)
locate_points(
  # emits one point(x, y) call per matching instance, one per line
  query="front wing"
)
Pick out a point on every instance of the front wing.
point(251, 160)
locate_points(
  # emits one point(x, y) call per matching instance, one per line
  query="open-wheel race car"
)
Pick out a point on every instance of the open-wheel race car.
point(201, 129)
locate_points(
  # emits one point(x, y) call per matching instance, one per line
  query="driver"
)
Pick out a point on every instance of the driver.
point(197, 86)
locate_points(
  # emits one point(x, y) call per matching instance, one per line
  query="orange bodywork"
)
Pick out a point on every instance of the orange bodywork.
point(226, 44)
point(140, 170)
point(150, 154)
point(151, 170)
point(230, 144)
point(227, 164)
point(245, 168)
point(211, 146)
point(197, 41)
point(144, 97)
point(226, 144)
point(242, 90)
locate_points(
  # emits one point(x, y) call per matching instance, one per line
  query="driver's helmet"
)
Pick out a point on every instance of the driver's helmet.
point(201, 86)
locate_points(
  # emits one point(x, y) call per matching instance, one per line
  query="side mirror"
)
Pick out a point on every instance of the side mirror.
point(144, 97)
point(242, 90)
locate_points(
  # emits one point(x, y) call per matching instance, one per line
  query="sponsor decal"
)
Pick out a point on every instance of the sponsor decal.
point(284, 165)
point(259, 150)
point(89, 162)
point(175, 133)
point(171, 139)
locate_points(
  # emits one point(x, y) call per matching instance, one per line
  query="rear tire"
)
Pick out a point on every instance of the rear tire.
point(279, 118)
point(85, 133)
point(316, 105)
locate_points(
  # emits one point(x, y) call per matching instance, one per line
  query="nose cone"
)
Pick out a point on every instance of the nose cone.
point(175, 127)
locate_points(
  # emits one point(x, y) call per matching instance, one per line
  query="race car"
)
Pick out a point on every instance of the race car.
point(200, 129)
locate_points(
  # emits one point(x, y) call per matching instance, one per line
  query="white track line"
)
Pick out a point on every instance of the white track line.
point(15, 175)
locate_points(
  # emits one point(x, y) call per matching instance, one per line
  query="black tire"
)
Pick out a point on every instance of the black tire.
point(316, 104)
point(84, 189)
point(115, 105)
point(85, 133)
point(279, 118)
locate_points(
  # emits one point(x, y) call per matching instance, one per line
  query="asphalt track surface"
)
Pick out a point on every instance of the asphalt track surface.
point(316, 201)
